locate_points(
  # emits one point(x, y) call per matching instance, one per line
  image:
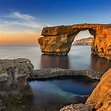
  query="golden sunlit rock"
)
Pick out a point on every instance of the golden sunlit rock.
point(100, 99)
point(58, 40)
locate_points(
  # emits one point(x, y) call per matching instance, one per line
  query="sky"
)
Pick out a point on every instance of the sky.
point(21, 21)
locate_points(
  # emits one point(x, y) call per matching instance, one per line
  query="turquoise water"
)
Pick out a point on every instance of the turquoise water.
point(55, 93)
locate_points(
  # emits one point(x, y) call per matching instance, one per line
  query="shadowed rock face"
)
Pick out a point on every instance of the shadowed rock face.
point(13, 76)
point(58, 40)
point(13, 83)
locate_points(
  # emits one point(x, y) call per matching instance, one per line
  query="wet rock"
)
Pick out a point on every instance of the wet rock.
point(100, 99)
point(76, 107)
point(59, 72)
point(58, 40)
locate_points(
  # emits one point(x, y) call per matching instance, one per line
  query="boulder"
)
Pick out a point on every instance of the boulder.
point(100, 99)
point(13, 83)
point(14, 75)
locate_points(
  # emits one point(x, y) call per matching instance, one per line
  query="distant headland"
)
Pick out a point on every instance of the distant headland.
point(84, 41)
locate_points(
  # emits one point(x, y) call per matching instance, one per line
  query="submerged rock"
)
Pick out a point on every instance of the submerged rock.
point(57, 40)
point(100, 99)
point(76, 107)
point(59, 72)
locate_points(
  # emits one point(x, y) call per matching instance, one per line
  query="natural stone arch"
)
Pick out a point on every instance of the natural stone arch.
point(57, 40)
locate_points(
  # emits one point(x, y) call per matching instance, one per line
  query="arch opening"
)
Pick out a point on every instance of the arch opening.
point(84, 36)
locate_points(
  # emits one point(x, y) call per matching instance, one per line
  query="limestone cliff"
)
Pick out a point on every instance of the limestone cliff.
point(84, 41)
point(100, 99)
point(58, 40)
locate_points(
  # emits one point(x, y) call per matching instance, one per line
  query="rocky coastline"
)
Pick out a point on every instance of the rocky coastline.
point(84, 41)
point(59, 72)
point(14, 85)
point(100, 98)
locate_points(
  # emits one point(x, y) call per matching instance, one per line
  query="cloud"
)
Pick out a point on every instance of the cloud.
point(14, 32)
point(3, 23)
point(18, 25)
point(29, 24)
point(20, 21)
point(18, 15)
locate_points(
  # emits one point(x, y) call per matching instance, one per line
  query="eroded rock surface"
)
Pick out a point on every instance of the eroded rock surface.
point(13, 83)
point(100, 99)
point(58, 40)
point(13, 75)
point(76, 107)
point(2, 105)
point(59, 72)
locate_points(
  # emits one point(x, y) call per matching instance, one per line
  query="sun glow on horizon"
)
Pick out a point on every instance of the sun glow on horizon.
point(18, 38)
point(19, 29)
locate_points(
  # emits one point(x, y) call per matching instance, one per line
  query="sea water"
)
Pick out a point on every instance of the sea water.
point(52, 94)
point(79, 58)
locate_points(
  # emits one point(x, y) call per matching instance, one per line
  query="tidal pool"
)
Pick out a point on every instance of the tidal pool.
point(53, 94)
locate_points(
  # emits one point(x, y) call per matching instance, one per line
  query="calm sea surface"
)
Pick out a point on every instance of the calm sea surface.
point(79, 57)
point(51, 95)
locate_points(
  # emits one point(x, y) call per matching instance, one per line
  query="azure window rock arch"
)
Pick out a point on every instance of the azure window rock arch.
point(57, 40)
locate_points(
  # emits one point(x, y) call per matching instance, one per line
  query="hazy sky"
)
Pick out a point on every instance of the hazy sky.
point(21, 21)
